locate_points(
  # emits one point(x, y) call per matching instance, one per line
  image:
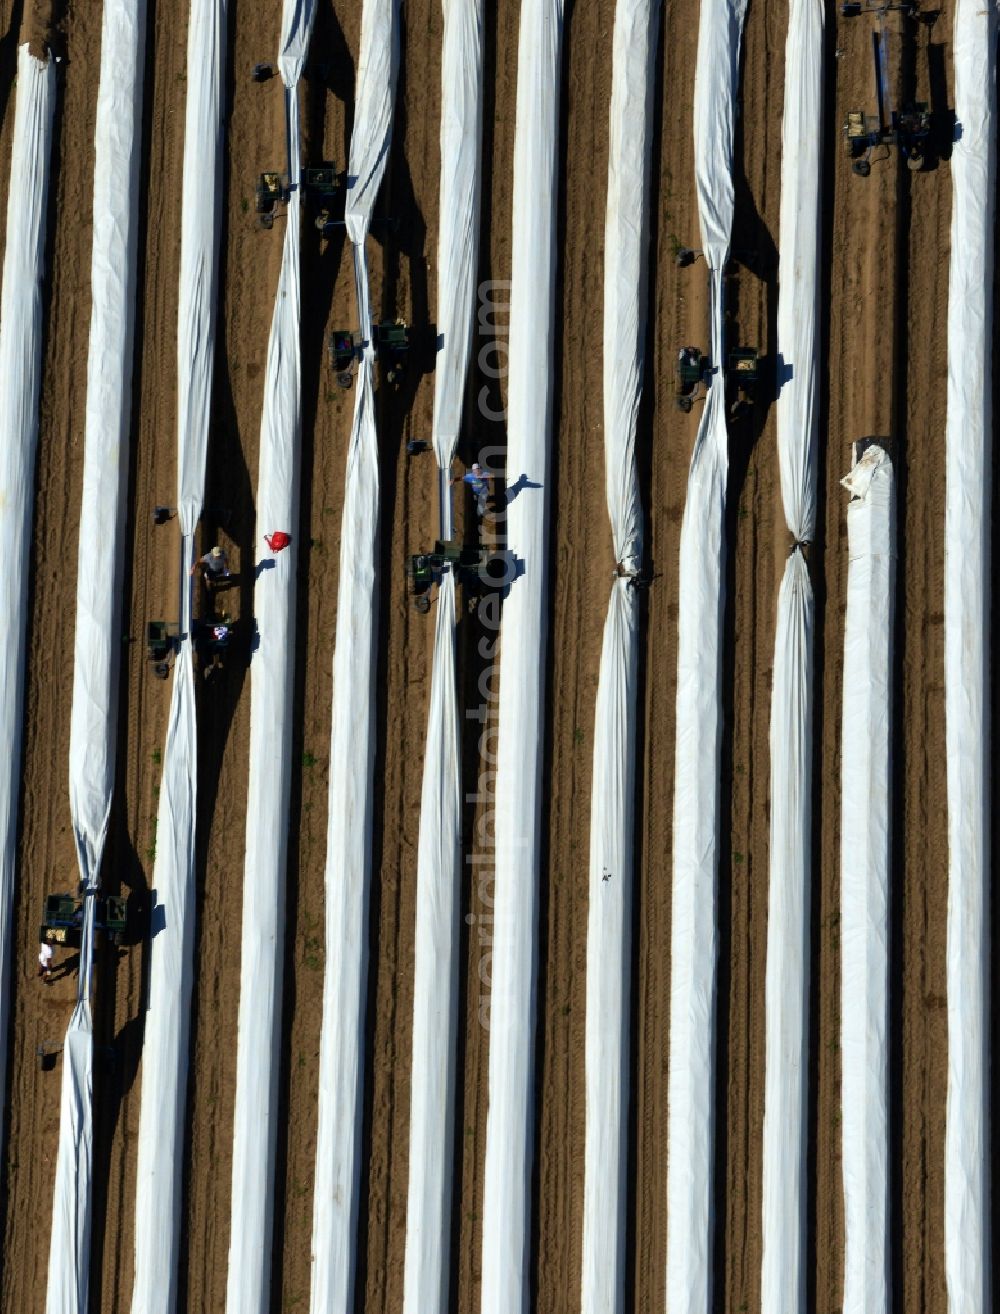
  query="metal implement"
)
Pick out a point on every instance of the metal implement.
point(345, 351)
point(323, 184)
point(907, 128)
point(62, 918)
point(161, 640)
point(691, 366)
point(470, 564)
point(742, 365)
point(272, 190)
point(392, 345)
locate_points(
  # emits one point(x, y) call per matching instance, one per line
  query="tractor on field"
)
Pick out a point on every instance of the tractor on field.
point(392, 346)
point(691, 367)
point(391, 340)
point(272, 191)
point(740, 377)
point(471, 566)
point(161, 642)
point(62, 917)
point(908, 128)
point(323, 185)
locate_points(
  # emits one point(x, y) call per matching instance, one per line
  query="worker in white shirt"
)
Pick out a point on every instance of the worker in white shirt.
point(45, 956)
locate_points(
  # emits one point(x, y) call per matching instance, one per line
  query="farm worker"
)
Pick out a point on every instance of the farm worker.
point(278, 540)
point(479, 482)
point(214, 564)
point(45, 956)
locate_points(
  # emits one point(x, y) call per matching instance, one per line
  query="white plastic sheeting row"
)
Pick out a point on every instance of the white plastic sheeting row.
point(71, 1214)
point(786, 1002)
point(20, 378)
point(967, 656)
point(69, 1241)
point(439, 858)
point(435, 986)
point(694, 934)
point(352, 742)
point(98, 596)
point(612, 832)
point(786, 1020)
point(272, 670)
point(165, 1036)
point(612, 817)
point(798, 283)
point(864, 882)
point(507, 1176)
point(171, 952)
point(108, 411)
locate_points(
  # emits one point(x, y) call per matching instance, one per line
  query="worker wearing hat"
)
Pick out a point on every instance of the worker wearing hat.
point(479, 482)
point(214, 565)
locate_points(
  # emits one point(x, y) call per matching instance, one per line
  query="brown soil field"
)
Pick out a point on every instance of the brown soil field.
point(884, 301)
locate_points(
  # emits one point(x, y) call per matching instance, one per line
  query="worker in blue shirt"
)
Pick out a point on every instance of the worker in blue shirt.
point(479, 482)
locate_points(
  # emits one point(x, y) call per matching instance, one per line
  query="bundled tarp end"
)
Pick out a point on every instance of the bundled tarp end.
point(969, 444)
point(786, 1019)
point(864, 882)
point(612, 817)
point(20, 378)
point(336, 1190)
point(435, 983)
point(506, 1218)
